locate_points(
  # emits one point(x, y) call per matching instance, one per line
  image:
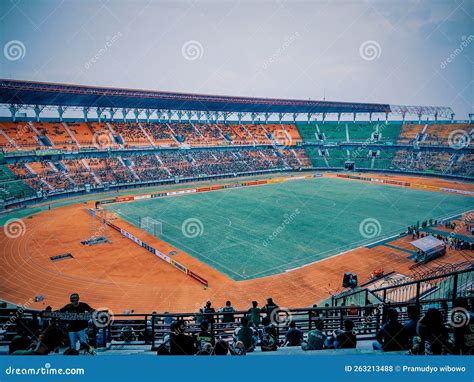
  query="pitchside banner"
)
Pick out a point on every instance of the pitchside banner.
point(309, 367)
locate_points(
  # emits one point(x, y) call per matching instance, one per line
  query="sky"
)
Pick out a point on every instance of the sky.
point(398, 51)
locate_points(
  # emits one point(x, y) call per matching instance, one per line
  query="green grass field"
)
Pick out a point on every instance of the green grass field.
point(258, 231)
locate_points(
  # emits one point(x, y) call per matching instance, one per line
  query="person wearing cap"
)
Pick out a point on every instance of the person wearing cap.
point(269, 307)
point(77, 328)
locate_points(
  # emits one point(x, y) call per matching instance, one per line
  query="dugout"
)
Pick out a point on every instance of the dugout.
point(428, 248)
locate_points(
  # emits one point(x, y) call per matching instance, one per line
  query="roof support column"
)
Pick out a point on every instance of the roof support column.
point(239, 117)
point(38, 111)
point(136, 113)
point(85, 112)
point(338, 118)
point(267, 115)
point(124, 114)
point(148, 114)
point(99, 111)
point(280, 116)
point(198, 116)
point(386, 117)
point(295, 116)
point(13, 109)
point(61, 111)
point(180, 115)
point(112, 112)
point(355, 116)
point(170, 114)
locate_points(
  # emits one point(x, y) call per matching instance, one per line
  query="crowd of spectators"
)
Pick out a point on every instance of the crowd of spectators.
point(430, 332)
point(68, 174)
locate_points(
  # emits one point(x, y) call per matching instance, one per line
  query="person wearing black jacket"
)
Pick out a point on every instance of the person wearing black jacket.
point(180, 342)
point(77, 328)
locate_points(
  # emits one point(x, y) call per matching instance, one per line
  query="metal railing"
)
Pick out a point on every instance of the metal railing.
point(440, 287)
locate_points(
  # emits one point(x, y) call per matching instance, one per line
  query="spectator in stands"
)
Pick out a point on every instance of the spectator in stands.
point(392, 335)
point(293, 336)
point(433, 334)
point(245, 334)
point(315, 313)
point(268, 337)
point(77, 328)
point(207, 349)
point(316, 337)
point(413, 313)
point(463, 319)
point(342, 339)
point(269, 307)
point(254, 314)
point(227, 312)
point(49, 341)
point(222, 348)
point(209, 309)
point(204, 336)
point(180, 342)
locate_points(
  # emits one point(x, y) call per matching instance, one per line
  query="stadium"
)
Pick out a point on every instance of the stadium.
point(170, 211)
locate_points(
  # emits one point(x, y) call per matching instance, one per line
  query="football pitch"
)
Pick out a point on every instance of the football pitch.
point(258, 231)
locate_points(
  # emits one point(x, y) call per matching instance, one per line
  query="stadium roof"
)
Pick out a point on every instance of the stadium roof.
point(16, 92)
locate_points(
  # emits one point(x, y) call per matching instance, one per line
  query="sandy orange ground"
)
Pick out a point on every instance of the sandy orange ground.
point(123, 276)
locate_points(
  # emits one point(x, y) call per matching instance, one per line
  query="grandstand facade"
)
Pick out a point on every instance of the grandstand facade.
point(173, 137)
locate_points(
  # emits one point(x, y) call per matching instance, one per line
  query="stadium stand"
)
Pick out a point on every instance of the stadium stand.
point(363, 314)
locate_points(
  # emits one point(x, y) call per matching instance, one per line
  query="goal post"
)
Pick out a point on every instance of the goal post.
point(151, 225)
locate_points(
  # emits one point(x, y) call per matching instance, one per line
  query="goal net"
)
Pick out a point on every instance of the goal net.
point(151, 225)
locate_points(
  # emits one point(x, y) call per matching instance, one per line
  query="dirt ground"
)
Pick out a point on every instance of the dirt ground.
point(123, 276)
